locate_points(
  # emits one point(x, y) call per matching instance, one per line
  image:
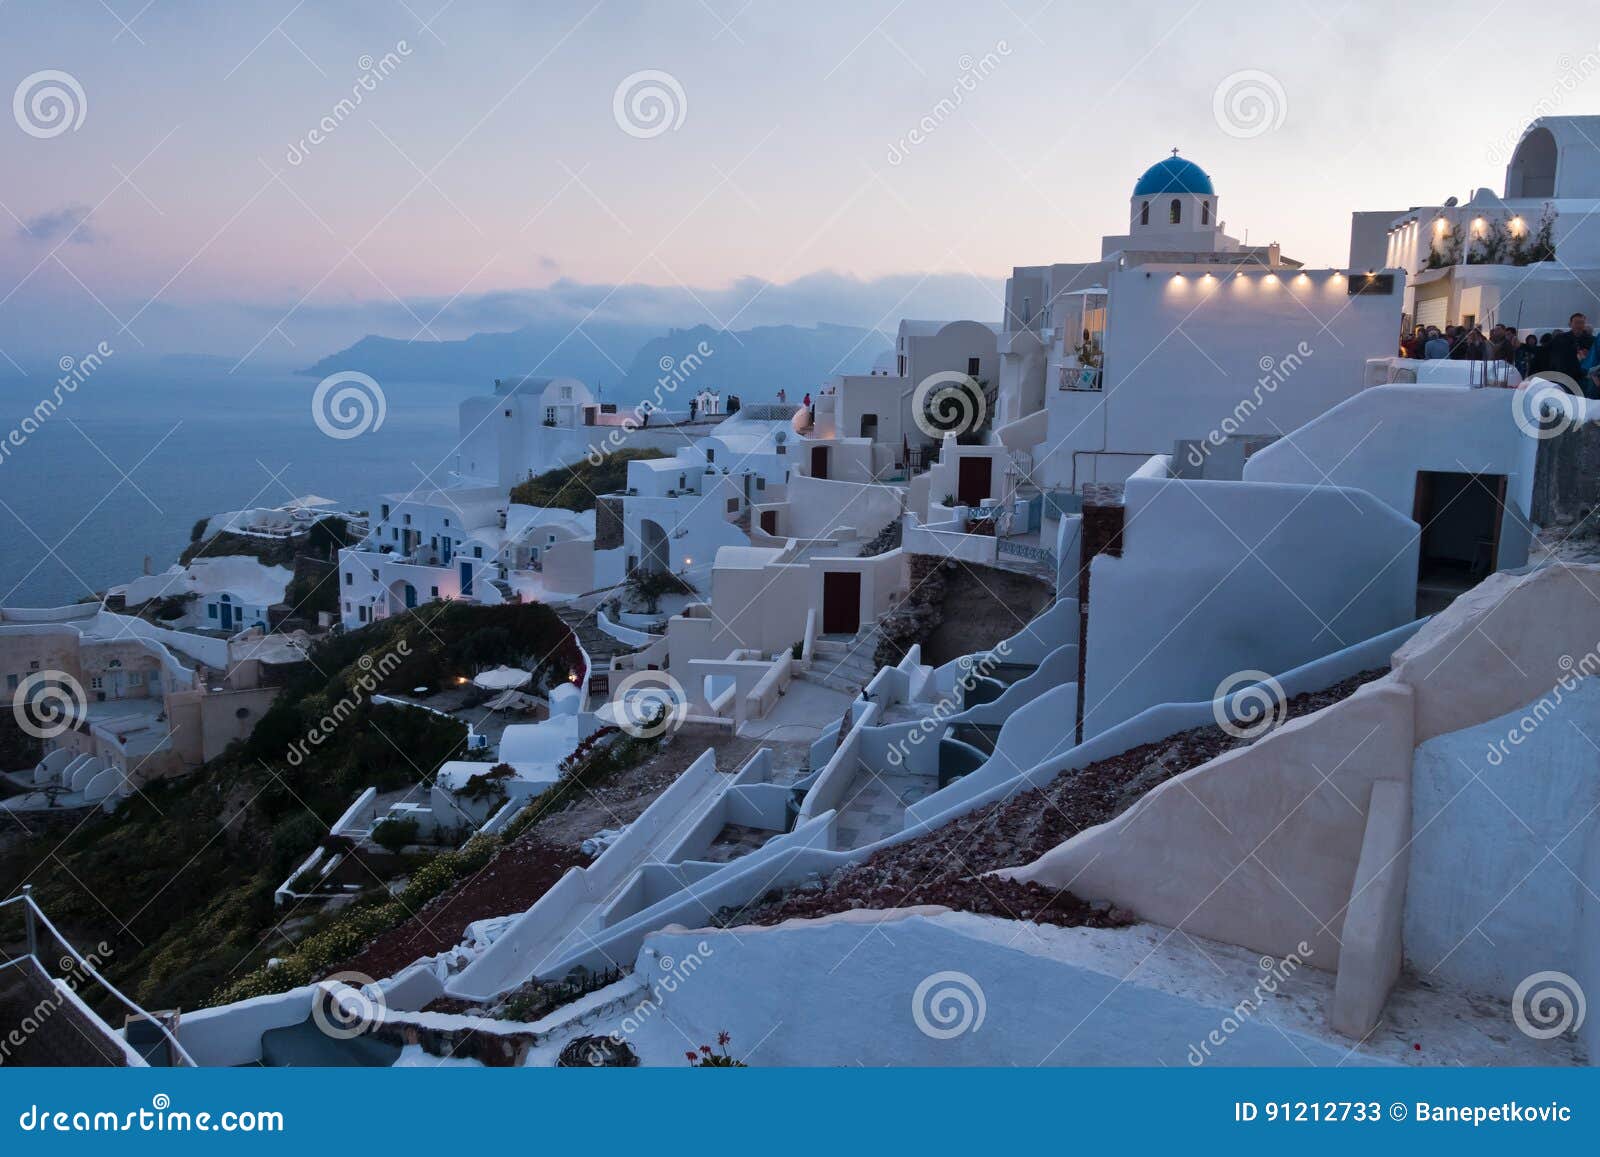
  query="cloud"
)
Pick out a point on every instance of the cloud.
point(68, 223)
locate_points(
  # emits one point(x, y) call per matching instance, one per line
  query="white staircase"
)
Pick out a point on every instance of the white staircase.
point(844, 664)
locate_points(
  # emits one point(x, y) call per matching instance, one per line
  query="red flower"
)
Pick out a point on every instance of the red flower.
point(690, 1055)
point(723, 1039)
point(706, 1049)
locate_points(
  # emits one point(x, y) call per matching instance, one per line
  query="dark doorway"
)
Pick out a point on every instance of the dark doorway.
point(819, 461)
point(972, 481)
point(841, 602)
point(769, 522)
point(1460, 517)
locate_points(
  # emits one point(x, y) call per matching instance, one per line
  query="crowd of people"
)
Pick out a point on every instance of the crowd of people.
point(1572, 352)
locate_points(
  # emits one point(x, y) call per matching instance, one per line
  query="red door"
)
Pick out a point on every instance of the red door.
point(819, 461)
point(841, 602)
point(972, 481)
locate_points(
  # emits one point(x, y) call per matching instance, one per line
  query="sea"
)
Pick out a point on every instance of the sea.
point(128, 462)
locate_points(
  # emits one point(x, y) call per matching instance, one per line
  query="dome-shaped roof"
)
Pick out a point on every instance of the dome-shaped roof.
point(1174, 174)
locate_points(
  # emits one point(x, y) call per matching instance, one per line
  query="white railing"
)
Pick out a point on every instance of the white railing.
point(33, 915)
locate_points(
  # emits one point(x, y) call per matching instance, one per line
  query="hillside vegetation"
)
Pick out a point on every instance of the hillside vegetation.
point(179, 880)
point(576, 487)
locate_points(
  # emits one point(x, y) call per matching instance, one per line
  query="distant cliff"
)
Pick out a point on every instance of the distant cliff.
point(757, 362)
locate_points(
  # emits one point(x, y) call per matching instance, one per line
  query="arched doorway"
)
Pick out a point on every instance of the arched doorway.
point(1533, 166)
point(653, 553)
point(226, 611)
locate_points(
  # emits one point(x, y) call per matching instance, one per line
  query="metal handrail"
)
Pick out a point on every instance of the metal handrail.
point(33, 912)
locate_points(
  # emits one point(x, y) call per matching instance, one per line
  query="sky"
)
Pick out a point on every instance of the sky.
point(215, 186)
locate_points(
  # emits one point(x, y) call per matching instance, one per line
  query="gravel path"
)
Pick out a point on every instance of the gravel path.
point(948, 866)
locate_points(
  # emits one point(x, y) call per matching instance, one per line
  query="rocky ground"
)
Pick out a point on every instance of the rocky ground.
point(949, 866)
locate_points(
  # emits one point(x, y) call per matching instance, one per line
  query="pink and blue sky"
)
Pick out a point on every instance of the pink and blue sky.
point(486, 179)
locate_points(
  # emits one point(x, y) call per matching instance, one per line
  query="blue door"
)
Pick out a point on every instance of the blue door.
point(411, 596)
point(227, 613)
point(466, 580)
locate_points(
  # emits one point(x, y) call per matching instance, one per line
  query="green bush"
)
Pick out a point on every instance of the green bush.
point(393, 834)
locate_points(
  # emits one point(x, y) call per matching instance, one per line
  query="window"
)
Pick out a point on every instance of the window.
point(349, 578)
point(407, 518)
point(1175, 212)
point(973, 365)
point(434, 591)
point(211, 611)
point(761, 483)
point(447, 522)
point(34, 665)
point(97, 684)
point(361, 613)
point(385, 512)
point(711, 454)
point(733, 506)
point(477, 552)
point(549, 415)
point(508, 413)
point(11, 682)
point(900, 364)
point(394, 533)
point(1144, 213)
point(566, 393)
point(1205, 212)
point(136, 678)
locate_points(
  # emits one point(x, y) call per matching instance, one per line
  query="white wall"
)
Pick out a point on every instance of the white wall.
point(1159, 388)
point(1222, 577)
point(1527, 809)
point(1379, 440)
